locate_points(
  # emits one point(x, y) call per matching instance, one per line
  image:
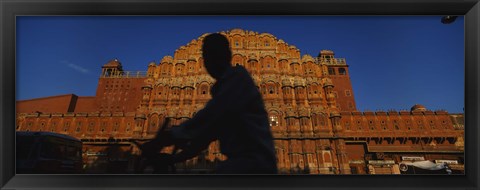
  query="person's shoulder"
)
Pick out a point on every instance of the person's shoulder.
point(240, 69)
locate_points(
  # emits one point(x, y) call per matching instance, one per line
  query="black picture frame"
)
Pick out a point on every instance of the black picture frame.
point(10, 9)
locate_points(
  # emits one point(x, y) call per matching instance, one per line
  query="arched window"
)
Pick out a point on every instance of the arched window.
point(203, 90)
point(342, 71)
point(152, 127)
point(331, 71)
point(274, 121)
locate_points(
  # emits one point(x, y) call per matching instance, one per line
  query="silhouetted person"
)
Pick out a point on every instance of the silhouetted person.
point(235, 116)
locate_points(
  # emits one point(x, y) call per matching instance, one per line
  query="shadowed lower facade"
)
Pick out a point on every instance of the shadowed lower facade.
point(310, 101)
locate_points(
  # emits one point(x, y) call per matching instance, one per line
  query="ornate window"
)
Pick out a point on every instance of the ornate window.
point(115, 127)
point(104, 125)
point(128, 127)
point(66, 126)
point(273, 121)
point(395, 125)
point(432, 125)
point(79, 125)
point(331, 71)
point(90, 127)
point(348, 93)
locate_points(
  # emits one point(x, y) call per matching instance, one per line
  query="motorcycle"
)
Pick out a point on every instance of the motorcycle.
point(151, 155)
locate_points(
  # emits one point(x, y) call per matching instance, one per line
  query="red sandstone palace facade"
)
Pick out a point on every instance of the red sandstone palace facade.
point(310, 101)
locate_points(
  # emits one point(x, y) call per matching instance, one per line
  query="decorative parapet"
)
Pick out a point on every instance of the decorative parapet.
point(330, 61)
point(126, 74)
point(81, 114)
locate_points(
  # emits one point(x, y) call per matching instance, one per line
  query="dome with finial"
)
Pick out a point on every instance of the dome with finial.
point(418, 107)
point(167, 59)
point(114, 63)
point(307, 58)
point(237, 31)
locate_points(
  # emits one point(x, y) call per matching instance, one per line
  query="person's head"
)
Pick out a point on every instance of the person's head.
point(216, 54)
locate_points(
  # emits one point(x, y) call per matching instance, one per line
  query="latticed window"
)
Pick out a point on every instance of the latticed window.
point(420, 125)
point(359, 125)
point(384, 126)
point(128, 127)
point(348, 93)
point(432, 125)
point(372, 126)
point(42, 126)
point(104, 125)
point(66, 126)
point(273, 121)
point(90, 127)
point(331, 71)
point(315, 120)
point(115, 127)
point(395, 124)
point(444, 124)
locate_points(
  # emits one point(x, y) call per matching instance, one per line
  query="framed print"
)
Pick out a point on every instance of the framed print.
point(120, 94)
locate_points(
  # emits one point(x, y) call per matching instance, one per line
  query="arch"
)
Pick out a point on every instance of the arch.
point(153, 123)
point(270, 87)
point(327, 157)
point(268, 62)
point(161, 90)
point(203, 89)
point(315, 120)
point(274, 118)
point(238, 58)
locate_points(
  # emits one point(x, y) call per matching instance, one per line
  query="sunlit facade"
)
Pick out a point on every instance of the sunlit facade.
point(312, 111)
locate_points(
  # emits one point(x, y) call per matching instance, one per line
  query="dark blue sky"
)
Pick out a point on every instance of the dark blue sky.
point(395, 61)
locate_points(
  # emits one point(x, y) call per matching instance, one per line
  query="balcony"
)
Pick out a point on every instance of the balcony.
point(125, 74)
point(330, 61)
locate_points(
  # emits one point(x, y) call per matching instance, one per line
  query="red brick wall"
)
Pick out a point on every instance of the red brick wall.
point(86, 104)
point(52, 104)
point(119, 94)
point(342, 83)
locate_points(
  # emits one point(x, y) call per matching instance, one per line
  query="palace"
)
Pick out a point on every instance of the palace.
point(310, 101)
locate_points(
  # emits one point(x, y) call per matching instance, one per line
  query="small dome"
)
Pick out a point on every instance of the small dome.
point(307, 58)
point(418, 107)
point(237, 31)
point(326, 52)
point(167, 59)
point(113, 63)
